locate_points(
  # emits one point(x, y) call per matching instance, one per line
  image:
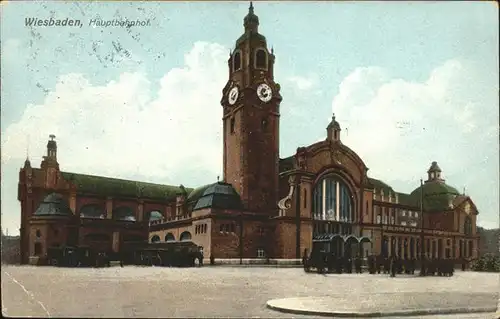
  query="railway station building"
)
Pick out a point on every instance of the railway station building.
point(265, 206)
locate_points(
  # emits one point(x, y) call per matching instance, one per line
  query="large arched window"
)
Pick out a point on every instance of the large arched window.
point(236, 61)
point(261, 59)
point(468, 226)
point(332, 200)
point(155, 215)
point(92, 211)
point(124, 213)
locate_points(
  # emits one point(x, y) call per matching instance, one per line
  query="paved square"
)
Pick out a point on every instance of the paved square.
point(206, 292)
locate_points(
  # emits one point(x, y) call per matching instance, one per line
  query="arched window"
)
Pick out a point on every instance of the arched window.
point(92, 211)
point(185, 236)
point(332, 200)
point(232, 125)
point(261, 59)
point(155, 215)
point(468, 226)
point(169, 237)
point(264, 125)
point(236, 61)
point(155, 239)
point(124, 213)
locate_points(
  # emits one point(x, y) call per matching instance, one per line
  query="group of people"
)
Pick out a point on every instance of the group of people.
point(397, 265)
point(325, 262)
point(332, 264)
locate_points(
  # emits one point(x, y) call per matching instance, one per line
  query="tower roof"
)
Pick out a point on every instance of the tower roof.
point(219, 195)
point(434, 168)
point(251, 24)
point(251, 20)
point(54, 205)
point(333, 123)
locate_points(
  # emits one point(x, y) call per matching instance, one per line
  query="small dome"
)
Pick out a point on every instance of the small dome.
point(54, 205)
point(434, 168)
point(334, 124)
point(219, 195)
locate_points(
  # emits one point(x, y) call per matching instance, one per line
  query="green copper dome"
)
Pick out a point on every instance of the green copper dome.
point(54, 205)
point(219, 195)
point(437, 195)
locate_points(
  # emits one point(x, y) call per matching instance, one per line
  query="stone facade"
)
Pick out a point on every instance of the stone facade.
point(265, 207)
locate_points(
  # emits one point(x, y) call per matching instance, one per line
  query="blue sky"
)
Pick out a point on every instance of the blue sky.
point(412, 82)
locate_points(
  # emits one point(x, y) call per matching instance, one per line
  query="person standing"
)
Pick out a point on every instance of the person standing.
point(393, 267)
point(357, 263)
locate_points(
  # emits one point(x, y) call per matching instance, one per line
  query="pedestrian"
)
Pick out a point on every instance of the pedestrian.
point(393, 267)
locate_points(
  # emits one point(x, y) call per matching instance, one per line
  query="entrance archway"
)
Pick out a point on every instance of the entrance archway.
point(385, 247)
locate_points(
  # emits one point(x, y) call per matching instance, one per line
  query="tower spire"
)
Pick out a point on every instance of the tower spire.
point(251, 21)
point(27, 147)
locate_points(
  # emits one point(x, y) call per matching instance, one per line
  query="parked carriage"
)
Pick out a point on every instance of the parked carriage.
point(70, 256)
point(173, 254)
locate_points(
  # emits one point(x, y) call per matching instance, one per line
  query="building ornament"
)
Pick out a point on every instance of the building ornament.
point(335, 155)
point(286, 202)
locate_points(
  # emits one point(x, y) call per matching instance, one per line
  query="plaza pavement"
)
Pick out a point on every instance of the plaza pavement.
point(224, 291)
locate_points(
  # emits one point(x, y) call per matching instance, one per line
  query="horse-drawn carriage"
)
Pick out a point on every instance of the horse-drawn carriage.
point(174, 254)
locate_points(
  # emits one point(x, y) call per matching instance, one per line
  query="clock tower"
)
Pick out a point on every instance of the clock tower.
point(250, 102)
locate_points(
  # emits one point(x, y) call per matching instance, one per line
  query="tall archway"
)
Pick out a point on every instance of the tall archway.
point(124, 213)
point(92, 211)
point(185, 236)
point(412, 247)
point(385, 247)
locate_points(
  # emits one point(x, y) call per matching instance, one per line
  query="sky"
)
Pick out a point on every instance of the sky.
point(409, 82)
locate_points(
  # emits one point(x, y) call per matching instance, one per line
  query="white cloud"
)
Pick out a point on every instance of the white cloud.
point(398, 127)
point(123, 129)
point(302, 83)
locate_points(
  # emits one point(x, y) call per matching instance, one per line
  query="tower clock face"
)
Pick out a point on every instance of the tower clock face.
point(233, 95)
point(264, 92)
